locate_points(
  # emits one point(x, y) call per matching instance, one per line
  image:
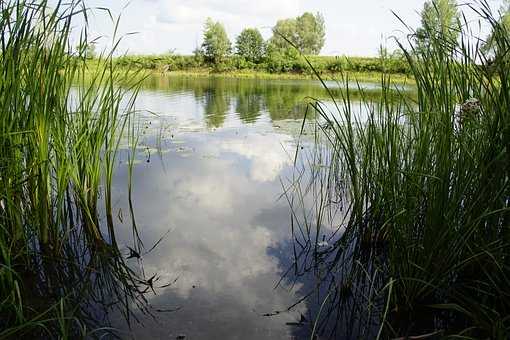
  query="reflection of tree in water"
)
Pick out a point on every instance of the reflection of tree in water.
point(216, 106)
point(249, 104)
point(281, 99)
point(286, 102)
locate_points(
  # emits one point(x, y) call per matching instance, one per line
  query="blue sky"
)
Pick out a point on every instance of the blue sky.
point(353, 27)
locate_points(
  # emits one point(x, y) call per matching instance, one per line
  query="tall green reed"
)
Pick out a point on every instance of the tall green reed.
point(425, 242)
point(61, 125)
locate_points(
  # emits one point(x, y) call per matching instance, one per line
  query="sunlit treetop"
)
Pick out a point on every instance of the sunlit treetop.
point(216, 45)
point(306, 32)
point(439, 19)
point(250, 44)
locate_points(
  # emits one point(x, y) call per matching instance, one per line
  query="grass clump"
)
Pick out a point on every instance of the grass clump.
point(60, 128)
point(425, 244)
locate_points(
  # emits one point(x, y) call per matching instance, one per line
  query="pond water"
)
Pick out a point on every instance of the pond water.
point(214, 156)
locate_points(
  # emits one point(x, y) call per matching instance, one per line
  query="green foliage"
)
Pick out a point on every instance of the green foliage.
point(425, 184)
point(276, 62)
point(250, 44)
point(216, 45)
point(239, 63)
point(90, 51)
point(306, 32)
point(162, 63)
point(502, 27)
point(439, 18)
point(394, 62)
point(60, 130)
point(311, 33)
point(285, 29)
point(284, 60)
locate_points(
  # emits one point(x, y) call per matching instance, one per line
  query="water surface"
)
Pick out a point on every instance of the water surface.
point(213, 158)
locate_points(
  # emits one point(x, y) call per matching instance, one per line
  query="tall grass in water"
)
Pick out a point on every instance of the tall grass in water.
point(425, 245)
point(60, 128)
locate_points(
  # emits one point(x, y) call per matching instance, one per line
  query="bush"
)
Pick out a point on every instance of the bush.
point(241, 63)
point(289, 61)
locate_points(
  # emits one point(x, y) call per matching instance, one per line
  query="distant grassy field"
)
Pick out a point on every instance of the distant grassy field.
point(251, 74)
point(367, 69)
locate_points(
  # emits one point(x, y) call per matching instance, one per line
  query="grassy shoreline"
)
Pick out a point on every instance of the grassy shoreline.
point(369, 77)
point(253, 74)
point(365, 69)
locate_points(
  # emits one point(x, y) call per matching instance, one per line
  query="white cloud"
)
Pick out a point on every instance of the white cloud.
point(180, 11)
point(267, 154)
point(352, 27)
point(217, 242)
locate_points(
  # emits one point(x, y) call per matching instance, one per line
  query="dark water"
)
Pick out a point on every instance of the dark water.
point(213, 158)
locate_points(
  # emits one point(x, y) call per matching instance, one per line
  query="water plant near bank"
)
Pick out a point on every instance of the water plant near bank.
point(61, 125)
point(423, 187)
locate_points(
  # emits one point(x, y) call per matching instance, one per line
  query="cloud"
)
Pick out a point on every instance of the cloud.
point(218, 243)
point(177, 24)
point(267, 159)
point(181, 14)
point(192, 11)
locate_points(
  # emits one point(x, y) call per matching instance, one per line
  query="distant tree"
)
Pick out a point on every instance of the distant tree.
point(307, 32)
point(311, 33)
point(216, 45)
point(250, 44)
point(500, 35)
point(90, 51)
point(383, 52)
point(285, 29)
point(440, 19)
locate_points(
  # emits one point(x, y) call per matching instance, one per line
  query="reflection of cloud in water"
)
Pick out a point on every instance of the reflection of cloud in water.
point(205, 192)
point(219, 243)
point(267, 153)
point(215, 243)
point(217, 189)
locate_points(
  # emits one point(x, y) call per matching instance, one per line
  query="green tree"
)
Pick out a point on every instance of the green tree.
point(499, 36)
point(306, 32)
point(440, 19)
point(250, 44)
point(311, 33)
point(285, 29)
point(90, 50)
point(216, 45)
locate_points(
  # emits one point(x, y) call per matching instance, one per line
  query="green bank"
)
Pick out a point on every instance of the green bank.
point(365, 69)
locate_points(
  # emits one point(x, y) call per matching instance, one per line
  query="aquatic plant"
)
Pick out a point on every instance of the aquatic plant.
point(60, 128)
point(423, 248)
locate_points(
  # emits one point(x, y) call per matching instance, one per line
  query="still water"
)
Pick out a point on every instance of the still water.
point(213, 160)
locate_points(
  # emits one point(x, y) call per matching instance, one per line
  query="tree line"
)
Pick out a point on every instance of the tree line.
point(303, 34)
